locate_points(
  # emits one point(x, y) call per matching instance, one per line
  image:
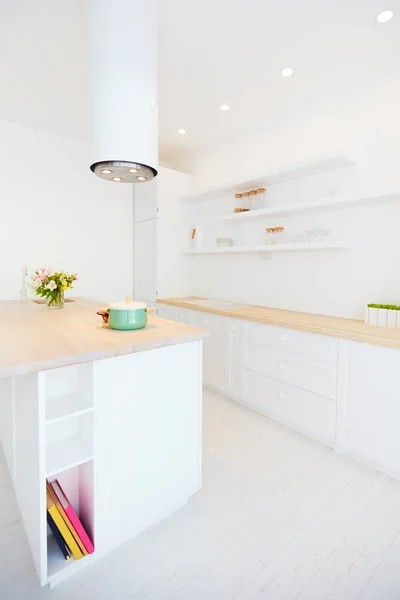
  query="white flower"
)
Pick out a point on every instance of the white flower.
point(51, 285)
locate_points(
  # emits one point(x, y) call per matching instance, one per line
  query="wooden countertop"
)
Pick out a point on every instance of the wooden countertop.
point(34, 338)
point(348, 329)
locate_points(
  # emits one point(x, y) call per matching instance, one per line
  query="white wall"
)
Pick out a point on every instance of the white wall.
point(364, 126)
point(55, 212)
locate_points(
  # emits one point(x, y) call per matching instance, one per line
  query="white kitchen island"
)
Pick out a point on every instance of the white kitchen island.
point(114, 415)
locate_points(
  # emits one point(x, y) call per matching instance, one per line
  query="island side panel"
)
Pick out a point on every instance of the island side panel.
point(30, 477)
point(148, 438)
point(7, 436)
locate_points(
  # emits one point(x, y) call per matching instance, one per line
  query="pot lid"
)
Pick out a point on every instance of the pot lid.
point(128, 306)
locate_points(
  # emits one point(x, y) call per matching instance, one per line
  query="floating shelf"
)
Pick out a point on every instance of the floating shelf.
point(65, 454)
point(304, 169)
point(306, 207)
point(63, 407)
point(268, 248)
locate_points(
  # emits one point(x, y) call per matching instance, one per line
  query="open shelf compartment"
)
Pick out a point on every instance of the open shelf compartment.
point(69, 443)
point(68, 392)
point(78, 485)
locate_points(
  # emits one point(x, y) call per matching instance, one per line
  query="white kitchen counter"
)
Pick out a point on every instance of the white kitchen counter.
point(34, 338)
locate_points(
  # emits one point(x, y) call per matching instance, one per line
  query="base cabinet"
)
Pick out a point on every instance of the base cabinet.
point(345, 394)
point(221, 350)
point(221, 359)
point(369, 405)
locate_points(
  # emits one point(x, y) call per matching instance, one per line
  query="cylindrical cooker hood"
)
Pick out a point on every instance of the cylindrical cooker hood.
point(123, 66)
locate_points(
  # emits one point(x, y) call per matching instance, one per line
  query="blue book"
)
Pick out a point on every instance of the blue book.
point(58, 536)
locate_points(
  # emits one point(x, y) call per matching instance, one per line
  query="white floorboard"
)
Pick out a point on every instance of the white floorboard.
point(279, 517)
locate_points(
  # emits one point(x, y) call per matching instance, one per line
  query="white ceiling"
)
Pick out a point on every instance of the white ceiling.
point(210, 52)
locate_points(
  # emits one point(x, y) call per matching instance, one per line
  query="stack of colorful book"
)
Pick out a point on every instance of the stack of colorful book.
point(65, 525)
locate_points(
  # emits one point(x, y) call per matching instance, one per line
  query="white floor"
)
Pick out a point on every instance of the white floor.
point(279, 516)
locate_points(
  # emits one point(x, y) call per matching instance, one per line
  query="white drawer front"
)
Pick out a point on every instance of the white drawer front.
point(311, 414)
point(165, 311)
point(314, 376)
point(309, 345)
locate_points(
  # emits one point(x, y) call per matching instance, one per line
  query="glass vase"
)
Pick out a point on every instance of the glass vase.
point(56, 300)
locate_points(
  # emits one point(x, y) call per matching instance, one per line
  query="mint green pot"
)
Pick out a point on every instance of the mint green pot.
point(127, 319)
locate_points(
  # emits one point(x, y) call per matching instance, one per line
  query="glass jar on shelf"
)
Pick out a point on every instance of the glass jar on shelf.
point(279, 235)
point(269, 235)
point(246, 200)
point(253, 204)
point(238, 203)
point(259, 197)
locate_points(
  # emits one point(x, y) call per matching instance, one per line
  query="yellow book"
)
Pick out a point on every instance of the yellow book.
point(65, 517)
point(63, 529)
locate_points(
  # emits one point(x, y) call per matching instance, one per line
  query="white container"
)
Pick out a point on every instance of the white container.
point(382, 317)
point(224, 242)
point(391, 320)
point(372, 316)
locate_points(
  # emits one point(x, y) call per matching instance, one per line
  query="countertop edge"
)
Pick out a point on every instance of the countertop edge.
point(75, 359)
point(367, 337)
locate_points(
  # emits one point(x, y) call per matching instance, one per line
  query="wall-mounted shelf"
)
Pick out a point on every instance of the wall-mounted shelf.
point(307, 207)
point(304, 169)
point(269, 248)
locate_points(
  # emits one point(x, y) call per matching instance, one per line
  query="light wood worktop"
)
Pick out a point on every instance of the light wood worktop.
point(348, 329)
point(34, 338)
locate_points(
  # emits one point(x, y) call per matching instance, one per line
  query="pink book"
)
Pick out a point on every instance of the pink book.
point(73, 517)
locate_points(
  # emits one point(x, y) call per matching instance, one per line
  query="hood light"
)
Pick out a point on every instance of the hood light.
point(385, 16)
point(117, 179)
point(132, 170)
point(141, 178)
point(106, 171)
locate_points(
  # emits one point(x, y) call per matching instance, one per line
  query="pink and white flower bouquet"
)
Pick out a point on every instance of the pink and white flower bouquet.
point(52, 285)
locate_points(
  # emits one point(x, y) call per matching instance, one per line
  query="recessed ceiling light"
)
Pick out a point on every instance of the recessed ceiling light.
point(182, 131)
point(287, 72)
point(117, 178)
point(132, 170)
point(224, 107)
point(385, 16)
point(106, 171)
point(142, 178)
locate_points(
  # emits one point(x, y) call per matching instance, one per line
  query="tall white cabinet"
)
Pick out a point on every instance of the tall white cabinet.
point(160, 270)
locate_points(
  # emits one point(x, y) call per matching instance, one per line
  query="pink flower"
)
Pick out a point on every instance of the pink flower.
point(76, 277)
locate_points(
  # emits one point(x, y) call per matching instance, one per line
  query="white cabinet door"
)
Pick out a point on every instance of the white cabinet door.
point(145, 261)
point(221, 351)
point(146, 201)
point(368, 404)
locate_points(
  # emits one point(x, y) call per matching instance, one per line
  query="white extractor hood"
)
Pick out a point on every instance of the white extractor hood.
point(124, 90)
